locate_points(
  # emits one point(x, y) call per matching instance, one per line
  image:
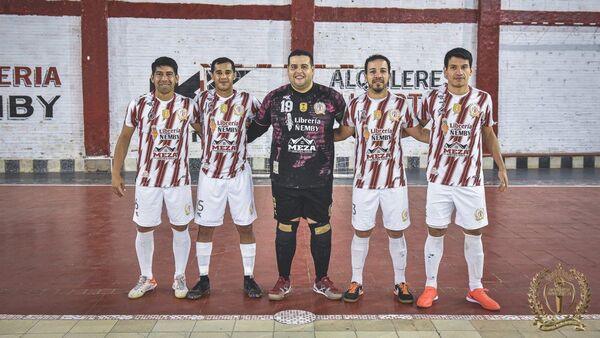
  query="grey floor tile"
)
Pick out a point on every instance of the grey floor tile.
point(254, 325)
point(174, 326)
point(10, 335)
point(279, 327)
point(500, 334)
point(252, 334)
point(210, 334)
point(293, 334)
point(168, 334)
point(214, 326)
point(335, 334)
point(126, 335)
point(52, 326)
point(85, 335)
point(334, 325)
point(93, 326)
point(133, 326)
point(452, 325)
point(417, 334)
point(459, 334)
point(376, 334)
point(493, 325)
point(541, 334)
point(16, 326)
point(43, 335)
point(413, 325)
point(373, 325)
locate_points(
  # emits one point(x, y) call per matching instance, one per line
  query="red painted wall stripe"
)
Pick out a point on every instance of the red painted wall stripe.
point(303, 24)
point(40, 7)
point(488, 50)
point(567, 18)
point(197, 11)
point(395, 15)
point(94, 69)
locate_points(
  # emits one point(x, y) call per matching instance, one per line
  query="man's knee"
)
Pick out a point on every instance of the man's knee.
point(320, 229)
point(145, 229)
point(435, 232)
point(205, 233)
point(395, 233)
point(363, 234)
point(179, 228)
point(473, 232)
point(286, 231)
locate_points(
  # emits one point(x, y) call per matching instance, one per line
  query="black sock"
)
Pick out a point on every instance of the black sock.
point(320, 247)
point(285, 246)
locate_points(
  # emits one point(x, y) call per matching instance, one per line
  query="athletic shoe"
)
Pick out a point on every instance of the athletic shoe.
point(201, 288)
point(143, 285)
point(480, 297)
point(251, 288)
point(281, 289)
point(353, 293)
point(325, 287)
point(180, 287)
point(403, 294)
point(427, 298)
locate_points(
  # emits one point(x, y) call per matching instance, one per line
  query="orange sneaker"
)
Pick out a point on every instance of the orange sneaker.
point(427, 298)
point(480, 297)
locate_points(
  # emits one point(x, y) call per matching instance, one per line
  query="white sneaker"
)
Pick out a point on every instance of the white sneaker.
point(180, 287)
point(143, 285)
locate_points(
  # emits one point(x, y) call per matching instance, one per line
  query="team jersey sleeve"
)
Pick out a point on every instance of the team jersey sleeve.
point(263, 116)
point(348, 119)
point(194, 116)
point(253, 108)
point(409, 116)
point(340, 105)
point(488, 112)
point(198, 114)
point(131, 117)
point(423, 112)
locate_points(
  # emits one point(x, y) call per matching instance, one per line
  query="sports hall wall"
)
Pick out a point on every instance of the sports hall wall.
point(69, 68)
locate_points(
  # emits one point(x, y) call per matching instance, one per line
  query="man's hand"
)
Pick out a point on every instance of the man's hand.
point(503, 180)
point(118, 186)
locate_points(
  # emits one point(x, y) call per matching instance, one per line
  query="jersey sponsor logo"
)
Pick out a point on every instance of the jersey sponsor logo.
point(224, 146)
point(227, 126)
point(474, 110)
point(212, 124)
point(300, 123)
point(303, 107)
point(165, 153)
point(154, 132)
point(445, 126)
point(377, 114)
point(289, 121)
point(166, 113)
point(456, 149)
point(169, 134)
point(459, 129)
point(302, 145)
point(456, 108)
point(381, 134)
point(379, 154)
point(223, 108)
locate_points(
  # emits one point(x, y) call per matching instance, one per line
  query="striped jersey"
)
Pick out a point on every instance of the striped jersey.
point(224, 122)
point(163, 130)
point(378, 152)
point(455, 151)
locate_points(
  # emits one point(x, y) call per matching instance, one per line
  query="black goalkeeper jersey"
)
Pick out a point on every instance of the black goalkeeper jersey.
point(302, 150)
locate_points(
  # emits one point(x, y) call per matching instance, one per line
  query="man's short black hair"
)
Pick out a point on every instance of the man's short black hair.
point(459, 53)
point(301, 52)
point(164, 61)
point(377, 57)
point(220, 60)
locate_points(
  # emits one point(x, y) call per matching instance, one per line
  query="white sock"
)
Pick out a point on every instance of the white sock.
point(434, 250)
point(144, 248)
point(474, 258)
point(397, 248)
point(181, 250)
point(359, 249)
point(203, 252)
point(248, 257)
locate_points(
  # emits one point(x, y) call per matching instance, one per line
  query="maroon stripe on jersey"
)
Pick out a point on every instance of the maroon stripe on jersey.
point(212, 111)
point(162, 165)
point(440, 134)
point(375, 165)
point(238, 138)
point(182, 134)
point(391, 163)
point(363, 143)
point(381, 107)
point(221, 157)
point(375, 171)
point(150, 140)
point(453, 161)
point(469, 159)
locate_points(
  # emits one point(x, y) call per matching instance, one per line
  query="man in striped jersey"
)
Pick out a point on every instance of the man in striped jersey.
point(461, 121)
point(225, 175)
point(161, 120)
point(377, 119)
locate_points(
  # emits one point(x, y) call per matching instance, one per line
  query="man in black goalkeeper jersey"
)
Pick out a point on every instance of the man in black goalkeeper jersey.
point(302, 114)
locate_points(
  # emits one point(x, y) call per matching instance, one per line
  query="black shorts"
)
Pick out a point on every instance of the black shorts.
point(313, 203)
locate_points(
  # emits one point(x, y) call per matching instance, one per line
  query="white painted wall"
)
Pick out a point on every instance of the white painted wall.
point(414, 4)
point(42, 41)
point(548, 95)
point(552, 5)
point(220, 2)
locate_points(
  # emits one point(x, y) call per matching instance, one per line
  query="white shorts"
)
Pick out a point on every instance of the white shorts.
point(149, 202)
point(394, 208)
point(469, 202)
point(214, 193)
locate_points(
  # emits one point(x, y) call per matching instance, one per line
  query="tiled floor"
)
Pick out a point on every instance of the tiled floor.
point(270, 328)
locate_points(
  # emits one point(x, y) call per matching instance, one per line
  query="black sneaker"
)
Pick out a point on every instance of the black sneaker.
point(251, 288)
point(201, 288)
point(403, 294)
point(353, 293)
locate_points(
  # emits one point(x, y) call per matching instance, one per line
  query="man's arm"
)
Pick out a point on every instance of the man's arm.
point(255, 130)
point(118, 185)
point(197, 127)
point(491, 141)
point(419, 133)
point(342, 132)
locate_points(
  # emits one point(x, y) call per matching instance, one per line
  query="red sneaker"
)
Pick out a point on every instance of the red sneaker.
point(427, 298)
point(281, 289)
point(480, 297)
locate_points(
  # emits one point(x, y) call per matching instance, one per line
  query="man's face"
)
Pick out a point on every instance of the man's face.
point(223, 76)
point(300, 72)
point(378, 75)
point(164, 79)
point(458, 72)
